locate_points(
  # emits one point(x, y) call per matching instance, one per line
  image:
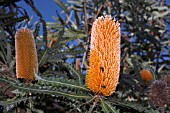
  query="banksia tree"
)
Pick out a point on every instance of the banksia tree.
point(26, 54)
point(104, 60)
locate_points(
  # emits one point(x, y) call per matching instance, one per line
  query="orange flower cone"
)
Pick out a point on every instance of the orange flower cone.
point(146, 75)
point(51, 41)
point(26, 54)
point(104, 60)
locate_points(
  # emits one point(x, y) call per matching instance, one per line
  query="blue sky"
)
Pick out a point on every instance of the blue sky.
point(46, 7)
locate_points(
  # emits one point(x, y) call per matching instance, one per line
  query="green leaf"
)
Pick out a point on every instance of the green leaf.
point(14, 101)
point(61, 83)
point(7, 16)
point(104, 108)
point(3, 53)
point(107, 107)
point(153, 111)
point(9, 53)
point(127, 105)
point(72, 33)
point(111, 108)
point(75, 2)
point(39, 89)
point(15, 20)
point(58, 2)
point(75, 72)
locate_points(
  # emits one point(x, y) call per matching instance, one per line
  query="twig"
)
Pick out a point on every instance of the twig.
point(98, 11)
point(86, 26)
point(91, 109)
point(85, 15)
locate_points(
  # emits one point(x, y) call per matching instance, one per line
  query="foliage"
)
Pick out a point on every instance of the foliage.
point(59, 86)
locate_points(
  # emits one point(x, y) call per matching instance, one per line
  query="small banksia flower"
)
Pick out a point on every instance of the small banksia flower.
point(26, 54)
point(158, 93)
point(167, 81)
point(51, 41)
point(146, 75)
point(77, 64)
point(104, 60)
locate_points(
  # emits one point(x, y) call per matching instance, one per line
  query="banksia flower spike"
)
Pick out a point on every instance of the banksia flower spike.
point(157, 93)
point(146, 75)
point(104, 60)
point(77, 64)
point(26, 54)
point(51, 41)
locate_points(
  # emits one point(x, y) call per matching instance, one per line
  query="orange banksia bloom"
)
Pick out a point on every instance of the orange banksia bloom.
point(104, 60)
point(51, 41)
point(77, 64)
point(146, 75)
point(26, 54)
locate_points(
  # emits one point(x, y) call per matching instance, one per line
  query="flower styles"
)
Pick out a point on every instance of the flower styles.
point(104, 60)
point(26, 54)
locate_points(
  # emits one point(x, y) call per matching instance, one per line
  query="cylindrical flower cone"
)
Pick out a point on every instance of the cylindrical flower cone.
point(104, 58)
point(26, 54)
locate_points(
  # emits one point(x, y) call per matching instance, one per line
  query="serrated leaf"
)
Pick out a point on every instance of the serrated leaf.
point(38, 89)
point(14, 101)
point(61, 83)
